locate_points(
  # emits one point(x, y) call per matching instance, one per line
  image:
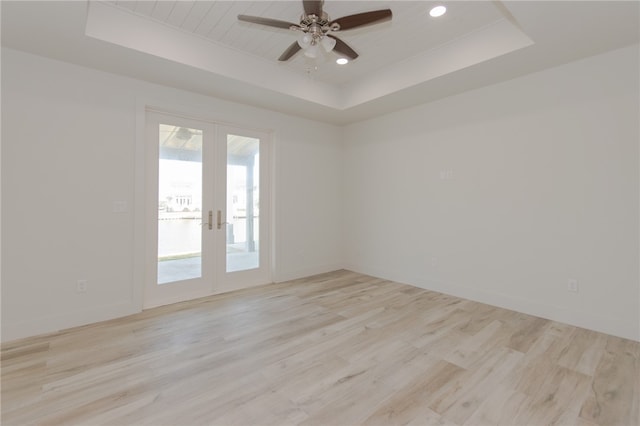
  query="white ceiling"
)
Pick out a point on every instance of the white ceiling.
point(410, 32)
point(200, 46)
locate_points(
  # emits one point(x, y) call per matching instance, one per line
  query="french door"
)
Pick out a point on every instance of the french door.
point(207, 209)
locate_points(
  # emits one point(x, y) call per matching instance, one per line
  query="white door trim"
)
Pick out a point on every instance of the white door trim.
point(229, 281)
point(190, 287)
point(167, 106)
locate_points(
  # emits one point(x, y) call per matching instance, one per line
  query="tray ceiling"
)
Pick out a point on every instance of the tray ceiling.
point(411, 31)
point(409, 50)
point(200, 46)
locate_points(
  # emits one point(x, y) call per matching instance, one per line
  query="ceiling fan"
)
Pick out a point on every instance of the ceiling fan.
point(315, 26)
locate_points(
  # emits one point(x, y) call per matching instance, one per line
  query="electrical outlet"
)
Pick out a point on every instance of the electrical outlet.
point(120, 207)
point(572, 285)
point(81, 286)
point(446, 174)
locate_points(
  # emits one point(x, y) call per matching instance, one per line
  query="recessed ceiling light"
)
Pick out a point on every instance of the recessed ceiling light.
point(342, 61)
point(438, 11)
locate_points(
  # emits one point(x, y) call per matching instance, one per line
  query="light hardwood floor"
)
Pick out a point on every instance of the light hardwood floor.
point(333, 349)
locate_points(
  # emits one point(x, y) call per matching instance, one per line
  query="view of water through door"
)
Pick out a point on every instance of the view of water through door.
point(243, 203)
point(243, 250)
point(207, 205)
point(179, 204)
point(180, 187)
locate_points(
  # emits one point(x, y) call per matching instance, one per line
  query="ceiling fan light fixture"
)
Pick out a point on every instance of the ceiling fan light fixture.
point(183, 134)
point(304, 40)
point(438, 11)
point(342, 61)
point(328, 43)
point(312, 51)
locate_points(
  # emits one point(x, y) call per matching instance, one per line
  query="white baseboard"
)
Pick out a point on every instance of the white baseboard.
point(603, 324)
point(279, 277)
point(613, 326)
point(54, 323)
point(51, 324)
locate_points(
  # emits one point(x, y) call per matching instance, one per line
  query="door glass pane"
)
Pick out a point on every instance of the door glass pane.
point(179, 204)
point(243, 207)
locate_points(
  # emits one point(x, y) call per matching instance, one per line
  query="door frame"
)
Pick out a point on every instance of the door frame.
point(178, 291)
point(229, 281)
point(140, 237)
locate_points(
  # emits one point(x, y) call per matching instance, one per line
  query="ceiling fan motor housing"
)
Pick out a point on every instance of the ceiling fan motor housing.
point(317, 26)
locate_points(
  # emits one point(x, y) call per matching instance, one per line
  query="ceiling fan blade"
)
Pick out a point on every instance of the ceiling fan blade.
point(361, 19)
point(312, 7)
point(342, 47)
point(267, 21)
point(291, 50)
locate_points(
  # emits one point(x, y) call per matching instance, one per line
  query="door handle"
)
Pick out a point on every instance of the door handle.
point(219, 220)
point(219, 217)
point(209, 221)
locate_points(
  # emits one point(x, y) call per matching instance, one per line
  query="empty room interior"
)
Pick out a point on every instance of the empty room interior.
point(320, 212)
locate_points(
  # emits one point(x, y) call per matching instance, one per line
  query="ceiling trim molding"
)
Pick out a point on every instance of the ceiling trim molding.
point(123, 27)
point(115, 25)
point(496, 39)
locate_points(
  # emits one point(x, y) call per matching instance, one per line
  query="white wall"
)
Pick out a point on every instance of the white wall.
point(544, 188)
point(68, 152)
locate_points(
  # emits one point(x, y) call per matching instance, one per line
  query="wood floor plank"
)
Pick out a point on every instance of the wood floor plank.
point(411, 402)
point(332, 349)
point(501, 407)
point(471, 390)
point(615, 388)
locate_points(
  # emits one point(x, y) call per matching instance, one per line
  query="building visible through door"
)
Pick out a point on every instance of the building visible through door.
point(207, 203)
